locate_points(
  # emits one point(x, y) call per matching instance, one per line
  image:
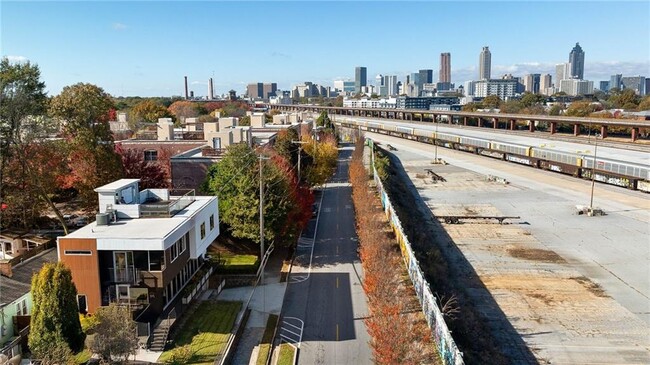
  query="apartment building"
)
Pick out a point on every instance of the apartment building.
point(142, 250)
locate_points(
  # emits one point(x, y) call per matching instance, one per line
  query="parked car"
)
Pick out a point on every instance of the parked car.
point(81, 221)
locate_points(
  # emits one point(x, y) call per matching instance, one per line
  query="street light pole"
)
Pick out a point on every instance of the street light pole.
point(593, 176)
point(299, 143)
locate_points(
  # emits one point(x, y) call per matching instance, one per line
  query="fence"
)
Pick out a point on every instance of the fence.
point(449, 353)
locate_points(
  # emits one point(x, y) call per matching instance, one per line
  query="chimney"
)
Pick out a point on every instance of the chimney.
point(5, 269)
point(186, 96)
point(210, 90)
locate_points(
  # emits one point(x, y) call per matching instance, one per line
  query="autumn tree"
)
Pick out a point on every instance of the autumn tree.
point(83, 109)
point(184, 109)
point(491, 101)
point(149, 111)
point(35, 161)
point(285, 146)
point(152, 174)
point(580, 109)
point(644, 104)
point(626, 99)
point(115, 333)
point(55, 314)
point(323, 154)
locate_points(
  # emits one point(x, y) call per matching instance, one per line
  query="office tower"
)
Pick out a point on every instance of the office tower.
point(532, 83)
point(615, 81)
point(577, 61)
point(390, 85)
point(445, 67)
point(469, 88)
point(485, 64)
point(269, 89)
point(604, 86)
point(426, 77)
point(360, 78)
point(255, 90)
point(636, 83)
point(576, 87)
point(545, 83)
point(562, 72)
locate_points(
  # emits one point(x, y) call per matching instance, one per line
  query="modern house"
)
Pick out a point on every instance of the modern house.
point(142, 250)
point(16, 300)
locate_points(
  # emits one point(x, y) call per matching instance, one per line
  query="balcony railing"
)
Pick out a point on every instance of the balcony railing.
point(167, 209)
point(128, 275)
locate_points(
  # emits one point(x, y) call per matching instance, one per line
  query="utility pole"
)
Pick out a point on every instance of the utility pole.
point(299, 143)
point(593, 176)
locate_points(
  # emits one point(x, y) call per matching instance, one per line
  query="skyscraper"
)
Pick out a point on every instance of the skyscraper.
point(485, 64)
point(426, 76)
point(545, 83)
point(360, 78)
point(577, 61)
point(562, 72)
point(615, 81)
point(445, 67)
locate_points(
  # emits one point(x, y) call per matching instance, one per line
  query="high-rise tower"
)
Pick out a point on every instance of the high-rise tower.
point(485, 64)
point(445, 68)
point(577, 61)
point(360, 78)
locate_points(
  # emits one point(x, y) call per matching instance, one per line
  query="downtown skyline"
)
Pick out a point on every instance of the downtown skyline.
point(145, 48)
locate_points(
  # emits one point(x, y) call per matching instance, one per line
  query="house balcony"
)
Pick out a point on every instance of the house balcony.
point(153, 207)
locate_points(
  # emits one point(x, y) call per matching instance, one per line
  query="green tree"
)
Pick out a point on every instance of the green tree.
point(84, 111)
point(22, 96)
point(530, 99)
point(491, 101)
point(115, 333)
point(472, 107)
point(244, 121)
point(55, 313)
point(235, 180)
point(323, 120)
point(284, 145)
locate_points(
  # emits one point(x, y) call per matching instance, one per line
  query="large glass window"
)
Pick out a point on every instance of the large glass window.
point(203, 230)
point(211, 222)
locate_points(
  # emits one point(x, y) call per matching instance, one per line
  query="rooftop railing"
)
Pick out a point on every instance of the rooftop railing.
point(167, 209)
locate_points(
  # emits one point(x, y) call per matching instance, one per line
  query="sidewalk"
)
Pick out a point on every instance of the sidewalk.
point(267, 299)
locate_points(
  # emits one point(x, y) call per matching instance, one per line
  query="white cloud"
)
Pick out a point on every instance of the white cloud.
point(198, 83)
point(17, 59)
point(119, 26)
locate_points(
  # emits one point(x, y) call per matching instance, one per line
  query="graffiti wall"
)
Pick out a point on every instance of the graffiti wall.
point(446, 346)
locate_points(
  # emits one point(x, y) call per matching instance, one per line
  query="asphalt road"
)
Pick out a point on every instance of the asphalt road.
point(325, 285)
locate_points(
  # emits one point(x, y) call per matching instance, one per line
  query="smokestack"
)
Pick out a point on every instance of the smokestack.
point(186, 96)
point(210, 89)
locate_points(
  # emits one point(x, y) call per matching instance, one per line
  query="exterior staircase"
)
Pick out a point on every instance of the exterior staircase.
point(161, 332)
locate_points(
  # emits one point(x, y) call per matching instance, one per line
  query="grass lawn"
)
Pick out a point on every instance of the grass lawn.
point(238, 263)
point(267, 338)
point(286, 354)
point(207, 331)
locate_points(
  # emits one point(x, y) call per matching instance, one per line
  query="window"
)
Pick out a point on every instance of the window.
point(202, 230)
point(211, 222)
point(173, 252)
point(21, 308)
point(156, 261)
point(77, 252)
point(82, 303)
point(151, 155)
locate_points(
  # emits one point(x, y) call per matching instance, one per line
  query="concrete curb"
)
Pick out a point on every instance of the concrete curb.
point(234, 339)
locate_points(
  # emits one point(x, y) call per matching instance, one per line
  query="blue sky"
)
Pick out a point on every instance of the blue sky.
point(145, 48)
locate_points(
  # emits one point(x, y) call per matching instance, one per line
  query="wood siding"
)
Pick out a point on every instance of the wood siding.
point(85, 268)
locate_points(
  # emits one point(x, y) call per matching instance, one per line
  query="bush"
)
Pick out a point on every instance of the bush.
point(180, 355)
point(88, 323)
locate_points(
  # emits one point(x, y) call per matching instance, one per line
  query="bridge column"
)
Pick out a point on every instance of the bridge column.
point(480, 122)
point(465, 121)
point(531, 125)
point(449, 118)
point(603, 131)
point(513, 124)
point(553, 127)
point(495, 123)
point(635, 134)
point(576, 129)
point(421, 117)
